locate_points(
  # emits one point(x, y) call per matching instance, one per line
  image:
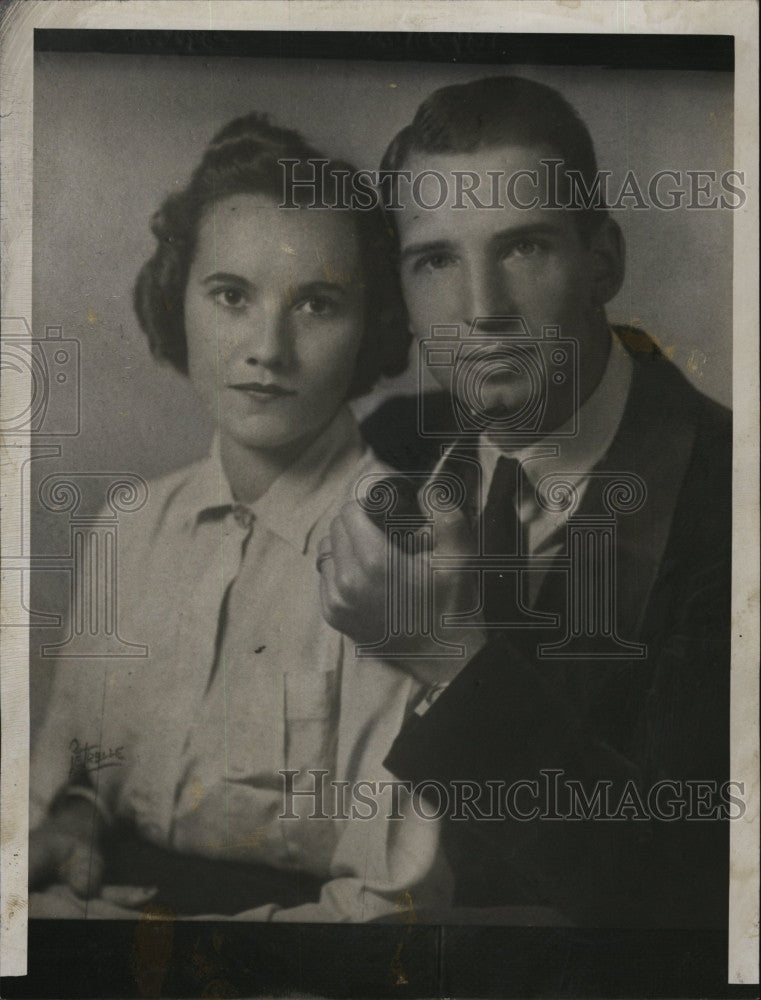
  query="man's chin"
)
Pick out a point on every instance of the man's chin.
point(503, 402)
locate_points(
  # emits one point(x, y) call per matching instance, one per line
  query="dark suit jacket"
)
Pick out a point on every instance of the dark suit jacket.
point(510, 714)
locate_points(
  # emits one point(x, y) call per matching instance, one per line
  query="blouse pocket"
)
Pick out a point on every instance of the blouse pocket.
point(311, 719)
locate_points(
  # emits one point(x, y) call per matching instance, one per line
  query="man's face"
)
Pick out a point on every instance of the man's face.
point(463, 264)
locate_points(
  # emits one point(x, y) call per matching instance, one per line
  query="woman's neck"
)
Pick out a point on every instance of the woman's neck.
point(251, 471)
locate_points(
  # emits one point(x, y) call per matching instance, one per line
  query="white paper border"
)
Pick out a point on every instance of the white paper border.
point(731, 17)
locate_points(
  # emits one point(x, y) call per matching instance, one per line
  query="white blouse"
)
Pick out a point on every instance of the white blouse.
point(244, 679)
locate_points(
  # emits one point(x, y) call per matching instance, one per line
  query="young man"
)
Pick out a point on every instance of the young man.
point(589, 718)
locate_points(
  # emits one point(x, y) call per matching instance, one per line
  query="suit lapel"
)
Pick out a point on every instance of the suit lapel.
point(654, 441)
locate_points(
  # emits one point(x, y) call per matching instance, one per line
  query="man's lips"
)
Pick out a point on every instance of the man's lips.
point(270, 389)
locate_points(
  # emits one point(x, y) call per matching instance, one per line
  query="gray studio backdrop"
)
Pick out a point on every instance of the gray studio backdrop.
point(114, 134)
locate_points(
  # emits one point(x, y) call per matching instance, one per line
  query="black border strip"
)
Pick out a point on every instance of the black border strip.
point(72, 959)
point(677, 52)
point(87, 959)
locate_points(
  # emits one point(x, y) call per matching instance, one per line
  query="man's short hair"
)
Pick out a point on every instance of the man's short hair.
point(499, 111)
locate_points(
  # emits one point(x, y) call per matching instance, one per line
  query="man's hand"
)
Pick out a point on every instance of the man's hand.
point(352, 562)
point(66, 848)
point(353, 567)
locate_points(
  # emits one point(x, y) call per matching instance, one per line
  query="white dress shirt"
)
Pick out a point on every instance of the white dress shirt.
point(598, 421)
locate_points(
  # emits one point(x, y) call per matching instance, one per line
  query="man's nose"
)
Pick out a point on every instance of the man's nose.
point(488, 296)
point(268, 340)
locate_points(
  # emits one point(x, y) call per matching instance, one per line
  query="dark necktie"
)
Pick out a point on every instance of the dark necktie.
point(502, 536)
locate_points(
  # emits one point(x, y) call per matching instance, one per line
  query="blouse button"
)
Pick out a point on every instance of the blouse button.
point(243, 515)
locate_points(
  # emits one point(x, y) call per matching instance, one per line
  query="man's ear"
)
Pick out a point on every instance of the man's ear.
point(608, 250)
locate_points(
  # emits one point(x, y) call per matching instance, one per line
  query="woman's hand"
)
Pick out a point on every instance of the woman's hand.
point(67, 849)
point(118, 902)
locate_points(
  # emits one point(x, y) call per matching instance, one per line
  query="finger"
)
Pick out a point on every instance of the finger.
point(452, 532)
point(335, 609)
point(57, 902)
point(42, 857)
point(329, 596)
point(367, 539)
point(323, 547)
point(360, 526)
point(342, 570)
point(324, 553)
point(344, 560)
point(83, 870)
point(359, 552)
point(128, 895)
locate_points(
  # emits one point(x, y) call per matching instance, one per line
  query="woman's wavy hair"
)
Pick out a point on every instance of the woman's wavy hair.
point(244, 158)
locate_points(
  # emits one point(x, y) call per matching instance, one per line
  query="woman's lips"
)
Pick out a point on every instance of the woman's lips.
point(262, 390)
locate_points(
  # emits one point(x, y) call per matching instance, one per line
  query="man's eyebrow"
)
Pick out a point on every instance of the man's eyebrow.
point(505, 235)
point(434, 246)
point(529, 229)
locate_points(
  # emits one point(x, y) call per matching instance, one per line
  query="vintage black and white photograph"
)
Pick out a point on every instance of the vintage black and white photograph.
point(378, 566)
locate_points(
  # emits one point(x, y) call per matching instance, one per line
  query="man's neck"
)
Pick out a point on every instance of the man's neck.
point(591, 369)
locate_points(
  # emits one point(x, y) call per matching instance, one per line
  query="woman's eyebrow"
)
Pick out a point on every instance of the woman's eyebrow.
point(218, 276)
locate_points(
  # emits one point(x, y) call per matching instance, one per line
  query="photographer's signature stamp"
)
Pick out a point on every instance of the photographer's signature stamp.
point(89, 757)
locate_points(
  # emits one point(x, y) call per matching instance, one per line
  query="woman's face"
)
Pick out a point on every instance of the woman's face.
point(273, 318)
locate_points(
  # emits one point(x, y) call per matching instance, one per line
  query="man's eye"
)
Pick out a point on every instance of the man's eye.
point(233, 298)
point(434, 262)
point(522, 248)
point(318, 305)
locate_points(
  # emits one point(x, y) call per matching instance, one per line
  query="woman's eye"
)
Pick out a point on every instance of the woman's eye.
point(233, 298)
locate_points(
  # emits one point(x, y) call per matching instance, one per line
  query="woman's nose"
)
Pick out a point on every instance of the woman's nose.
point(269, 342)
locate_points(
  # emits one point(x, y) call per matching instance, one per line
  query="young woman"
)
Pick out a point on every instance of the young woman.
point(202, 777)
